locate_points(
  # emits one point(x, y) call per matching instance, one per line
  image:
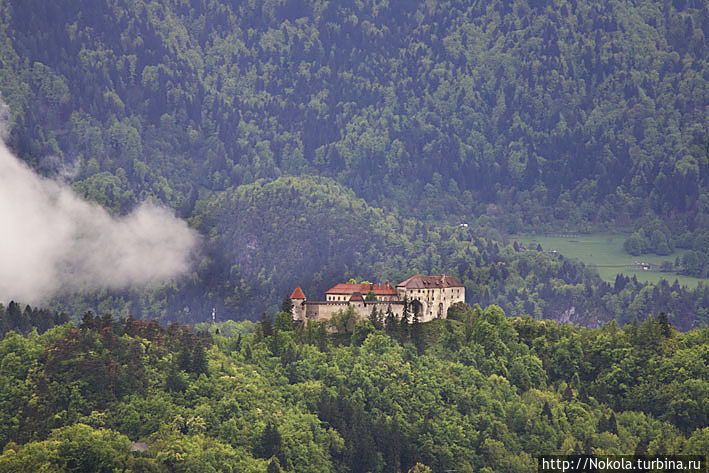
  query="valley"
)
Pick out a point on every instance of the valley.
point(605, 252)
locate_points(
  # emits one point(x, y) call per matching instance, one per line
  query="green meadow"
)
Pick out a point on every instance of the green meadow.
point(605, 252)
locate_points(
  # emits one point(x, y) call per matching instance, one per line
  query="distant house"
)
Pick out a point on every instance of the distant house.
point(429, 297)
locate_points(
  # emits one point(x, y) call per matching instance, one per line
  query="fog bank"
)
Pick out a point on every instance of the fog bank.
point(53, 242)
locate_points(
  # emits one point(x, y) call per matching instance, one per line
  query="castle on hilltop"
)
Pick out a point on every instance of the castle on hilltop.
point(428, 296)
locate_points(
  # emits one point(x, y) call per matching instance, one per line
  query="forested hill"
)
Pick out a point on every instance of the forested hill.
point(267, 237)
point(312, 141)
point(477, 392)
point(576, 111)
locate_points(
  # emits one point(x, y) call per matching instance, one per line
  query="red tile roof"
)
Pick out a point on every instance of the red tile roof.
point(429, 282)
point(356, 297)
point(297, 294)
point(385, 289)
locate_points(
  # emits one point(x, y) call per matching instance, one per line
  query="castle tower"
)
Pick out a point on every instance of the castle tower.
point(298, 299)
point(431, 296)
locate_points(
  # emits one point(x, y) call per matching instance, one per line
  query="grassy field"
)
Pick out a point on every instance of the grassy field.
point(605, 251)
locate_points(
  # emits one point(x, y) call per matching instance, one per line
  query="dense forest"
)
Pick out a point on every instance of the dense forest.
point(269, 236)
point(477, 392)
point(505, 115)
point(594, 109)
point(327, 230)
point(310, 142)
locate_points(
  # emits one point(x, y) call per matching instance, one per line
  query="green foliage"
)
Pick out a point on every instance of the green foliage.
point(73, 448)
point(224, 112)
point(277, 90)
point(14, 318)
point(344, 320)
point(210, 105)
point(271, 443)
point(653, 237)
point(284, 322)
point(334, 233)
point(287, 305)
point(484, 393)
point(361, 331)
point(636, 244)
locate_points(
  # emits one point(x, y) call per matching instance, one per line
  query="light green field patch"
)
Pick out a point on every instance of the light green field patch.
point(605, 252)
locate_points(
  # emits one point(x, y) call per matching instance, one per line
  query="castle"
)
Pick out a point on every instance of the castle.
point(429, 297)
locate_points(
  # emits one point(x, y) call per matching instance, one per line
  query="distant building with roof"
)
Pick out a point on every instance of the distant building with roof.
point(343, 292)
point(428, 296)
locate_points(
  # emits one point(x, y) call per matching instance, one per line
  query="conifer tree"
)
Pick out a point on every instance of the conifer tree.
point(275, 343)
point(322, 337)
point(417, 333)
point(266, 325)
point(271, 444)
point(665, 326)
point(374, 318)
point(287, 305)
point(390, 321)
point(299, 333)
point(174, 381)
point(602, 424)
point(288, 356)
point(87, 321)
point(199, 360)
point(404, 327)
point(310, 332)
point(612, 424)
point(184, 360)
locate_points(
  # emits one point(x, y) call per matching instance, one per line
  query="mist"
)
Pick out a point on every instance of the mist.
point(52, 242)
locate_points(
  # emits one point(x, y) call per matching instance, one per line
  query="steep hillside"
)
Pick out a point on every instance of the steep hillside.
point(265, 238)
point(573, 111)
point(314, 141)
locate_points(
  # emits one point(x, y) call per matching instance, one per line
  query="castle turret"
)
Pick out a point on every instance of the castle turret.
point(298, 299)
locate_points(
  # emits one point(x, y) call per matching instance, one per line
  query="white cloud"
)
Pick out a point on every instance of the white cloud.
point(53, 242)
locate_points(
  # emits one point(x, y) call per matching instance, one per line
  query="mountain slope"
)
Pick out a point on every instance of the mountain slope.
point(595, 109)
point(267, 237)
point(505, 114)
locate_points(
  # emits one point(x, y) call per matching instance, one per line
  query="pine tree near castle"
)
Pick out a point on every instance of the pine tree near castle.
point(374, 317)
point(404, 322)
point(390, 322)
point(417, 333)
point(287, 305)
